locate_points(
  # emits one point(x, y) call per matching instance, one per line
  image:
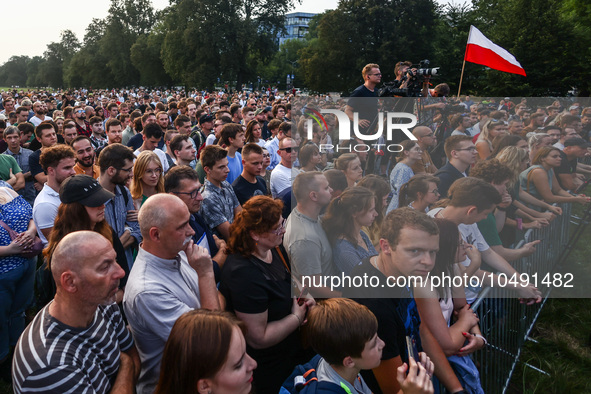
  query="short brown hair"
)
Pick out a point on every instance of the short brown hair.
point(274, 124)
point(469, 191)
point(304, 183)
point(112, 122)
point(406, 217)
point(399, 65)
point(50, 157)
point(250, 149)
point(491, 171)
point(453, 143)
point(211, 154)
point(339, 328)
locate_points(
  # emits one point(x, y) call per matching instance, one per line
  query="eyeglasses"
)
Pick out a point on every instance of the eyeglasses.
point(266, 155)
point(470, 149)
point(288, 150)
point(80, 111)
point(156, 171)
point(279, 229)
point(125, 169)
point(192, 194)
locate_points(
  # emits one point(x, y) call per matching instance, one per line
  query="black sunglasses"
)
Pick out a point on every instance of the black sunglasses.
point(288, 150)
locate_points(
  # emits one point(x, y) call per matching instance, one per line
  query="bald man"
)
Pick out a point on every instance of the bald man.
point(171, 275)
point(79, 342)
point(426, 140)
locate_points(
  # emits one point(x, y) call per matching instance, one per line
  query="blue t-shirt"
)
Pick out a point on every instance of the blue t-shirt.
point(235, 166)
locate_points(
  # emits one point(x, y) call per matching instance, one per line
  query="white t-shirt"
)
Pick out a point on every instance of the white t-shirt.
point(45, 210)
point(472, 235)
point(161, 155)
point(281, 178)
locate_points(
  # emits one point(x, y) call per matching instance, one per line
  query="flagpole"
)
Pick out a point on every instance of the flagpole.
point(461, 77)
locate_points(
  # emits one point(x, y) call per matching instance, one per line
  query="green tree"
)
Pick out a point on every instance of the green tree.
point(57, 57)
point(196, 52)
point(285, 61)
point(87, 66)
point(367, 31)
point(145, 57)
point(14, 71)
point(540, 39)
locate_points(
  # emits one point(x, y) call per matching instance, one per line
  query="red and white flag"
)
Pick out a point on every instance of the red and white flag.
point(481, 50)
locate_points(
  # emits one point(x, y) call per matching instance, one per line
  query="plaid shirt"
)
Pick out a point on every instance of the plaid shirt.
point(87, 131)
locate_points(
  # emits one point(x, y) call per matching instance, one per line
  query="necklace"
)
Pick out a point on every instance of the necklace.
point(265, 258)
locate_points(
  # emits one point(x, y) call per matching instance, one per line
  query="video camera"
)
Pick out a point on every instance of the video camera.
point(415, 80)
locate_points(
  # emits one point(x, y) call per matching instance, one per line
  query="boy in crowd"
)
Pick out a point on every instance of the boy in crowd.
point(220, 204)
point(233, 138)
point(344, 334)
point(250, 183)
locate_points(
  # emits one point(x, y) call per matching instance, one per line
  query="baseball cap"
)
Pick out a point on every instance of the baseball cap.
point(267, 109)
point(258, 111)
point(205, 118)
point(573, 107)
point(577, 142)
point(84, 189)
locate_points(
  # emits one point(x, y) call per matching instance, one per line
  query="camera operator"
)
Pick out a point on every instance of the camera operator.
point(364, 102)
point(359, 102)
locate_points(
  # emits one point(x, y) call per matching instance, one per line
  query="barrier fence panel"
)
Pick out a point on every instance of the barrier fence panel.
point(504, 321)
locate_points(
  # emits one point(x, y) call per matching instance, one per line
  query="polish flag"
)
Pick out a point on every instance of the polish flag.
point(481, 50)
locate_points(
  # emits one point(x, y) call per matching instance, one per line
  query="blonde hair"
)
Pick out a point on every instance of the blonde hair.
point(139, 169)
point(512, 157)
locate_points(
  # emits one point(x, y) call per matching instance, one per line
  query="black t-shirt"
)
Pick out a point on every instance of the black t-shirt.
point(244, 190)
point(252, 286)
point(365, 102)
point(566, 167)
point(397, 316)
point(34, 165)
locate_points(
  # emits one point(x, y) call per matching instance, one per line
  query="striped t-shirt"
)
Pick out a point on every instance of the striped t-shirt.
point(51, 357)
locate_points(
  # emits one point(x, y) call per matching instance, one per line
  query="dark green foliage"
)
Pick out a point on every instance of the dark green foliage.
point(204, 43)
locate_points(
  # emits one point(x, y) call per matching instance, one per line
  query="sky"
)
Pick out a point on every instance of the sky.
point(41, 21)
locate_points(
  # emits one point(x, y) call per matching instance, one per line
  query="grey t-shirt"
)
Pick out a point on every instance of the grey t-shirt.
point(308, 247)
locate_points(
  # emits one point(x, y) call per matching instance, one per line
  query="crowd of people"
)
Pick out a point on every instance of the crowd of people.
point(179, 242)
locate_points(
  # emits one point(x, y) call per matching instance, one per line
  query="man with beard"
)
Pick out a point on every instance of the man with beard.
point(40, 112)
point(82, 320)
point(116, 166)
point(12, 136)
point(82, 125)
point(114, 131)
point(85, 157)
point(58, 162)
point(70, 132)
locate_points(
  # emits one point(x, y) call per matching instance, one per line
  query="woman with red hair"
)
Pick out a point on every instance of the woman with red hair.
point(256, 283)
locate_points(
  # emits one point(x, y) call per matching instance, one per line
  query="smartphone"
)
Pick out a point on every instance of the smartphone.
point(411, 349)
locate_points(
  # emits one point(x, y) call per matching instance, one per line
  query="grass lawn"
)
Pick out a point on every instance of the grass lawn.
point(563, 334)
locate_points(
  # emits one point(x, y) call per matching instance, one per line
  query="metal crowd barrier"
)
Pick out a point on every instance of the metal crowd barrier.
point(504, 321)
